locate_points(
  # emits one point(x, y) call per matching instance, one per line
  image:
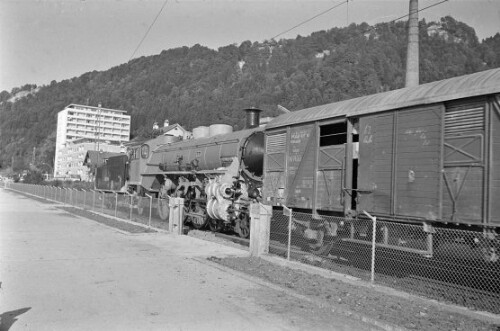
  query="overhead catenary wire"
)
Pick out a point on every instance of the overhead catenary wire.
point(340, 4)
point(418, 11)
point(288, 30)
point(149, 29)
point(310, 19)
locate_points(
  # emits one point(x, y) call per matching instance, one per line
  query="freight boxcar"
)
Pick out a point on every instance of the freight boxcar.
point(428, 154)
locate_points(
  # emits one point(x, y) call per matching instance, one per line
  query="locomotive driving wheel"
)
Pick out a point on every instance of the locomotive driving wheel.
point(163, 207)
point(214, 225)
point(242, 226)
point(196, 215)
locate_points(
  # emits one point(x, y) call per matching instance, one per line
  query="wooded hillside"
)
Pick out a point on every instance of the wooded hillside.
point(196, 85)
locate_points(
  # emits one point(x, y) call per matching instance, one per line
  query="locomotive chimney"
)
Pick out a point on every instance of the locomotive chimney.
point(253, 118)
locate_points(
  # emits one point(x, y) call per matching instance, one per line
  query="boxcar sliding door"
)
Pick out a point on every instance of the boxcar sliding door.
point(400, 162)
point(331, 166)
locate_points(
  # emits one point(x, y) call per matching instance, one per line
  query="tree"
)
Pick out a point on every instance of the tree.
point(33, 177)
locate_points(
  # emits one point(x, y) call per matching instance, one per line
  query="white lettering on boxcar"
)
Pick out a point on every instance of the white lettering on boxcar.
point(367, 133)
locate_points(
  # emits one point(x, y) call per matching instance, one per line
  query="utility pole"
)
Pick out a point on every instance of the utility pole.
point(98, 142)
point(412, 60)
point(98, 125)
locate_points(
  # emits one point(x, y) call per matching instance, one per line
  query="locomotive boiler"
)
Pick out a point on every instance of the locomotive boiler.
point(218, 173)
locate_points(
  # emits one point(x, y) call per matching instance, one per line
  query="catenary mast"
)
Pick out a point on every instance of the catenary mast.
point(412, 67)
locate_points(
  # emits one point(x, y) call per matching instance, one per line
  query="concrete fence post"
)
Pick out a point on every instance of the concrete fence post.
point(130, 206)
point(260, 228)
point(288, 212)
point(180, 204)
point(102, 202)
point(150, 207)
point(374, 236)
point(176, 215)
point(116, 204)
point(171, 207)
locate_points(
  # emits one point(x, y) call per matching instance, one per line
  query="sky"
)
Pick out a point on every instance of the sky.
point(45, 40)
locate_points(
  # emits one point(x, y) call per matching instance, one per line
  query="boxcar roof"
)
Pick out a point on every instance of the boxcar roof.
point(477, 84)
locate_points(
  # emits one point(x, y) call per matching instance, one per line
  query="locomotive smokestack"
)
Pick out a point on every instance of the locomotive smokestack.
point(253, 118)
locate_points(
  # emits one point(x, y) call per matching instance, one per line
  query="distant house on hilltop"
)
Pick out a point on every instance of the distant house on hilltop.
point(175, 130)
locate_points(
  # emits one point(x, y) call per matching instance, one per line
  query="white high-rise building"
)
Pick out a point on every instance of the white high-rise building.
point(101, 125)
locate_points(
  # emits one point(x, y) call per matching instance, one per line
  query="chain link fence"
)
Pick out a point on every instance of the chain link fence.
point(450, 265)
point(125, 206)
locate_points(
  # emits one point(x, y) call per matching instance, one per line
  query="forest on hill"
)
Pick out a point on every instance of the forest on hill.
point(196, 85)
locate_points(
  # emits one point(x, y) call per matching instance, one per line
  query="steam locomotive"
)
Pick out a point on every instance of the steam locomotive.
point(218, 173)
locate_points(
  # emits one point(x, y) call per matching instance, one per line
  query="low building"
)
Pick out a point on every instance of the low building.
point(95, 159)
point(72, 158)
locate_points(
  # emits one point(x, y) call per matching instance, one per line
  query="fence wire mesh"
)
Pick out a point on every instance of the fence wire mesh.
point(156, 219)
point(143, 210)
point(449, 265)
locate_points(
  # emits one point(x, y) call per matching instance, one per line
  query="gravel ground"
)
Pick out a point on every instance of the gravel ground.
point(360, 300)
point(436, 290)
